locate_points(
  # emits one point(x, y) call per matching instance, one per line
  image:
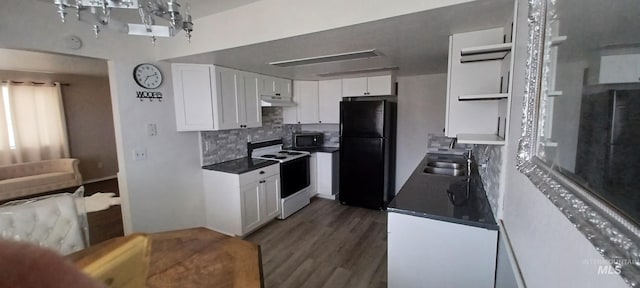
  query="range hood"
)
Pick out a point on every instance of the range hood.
point(276, 101)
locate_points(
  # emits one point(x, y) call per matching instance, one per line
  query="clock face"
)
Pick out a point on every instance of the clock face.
point(147, 76)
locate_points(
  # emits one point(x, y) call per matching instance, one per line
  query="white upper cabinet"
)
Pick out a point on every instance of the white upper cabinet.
point(215, 98)
point(306, 98)
point(478, 86)
point(316, 102)
point(253, 110)
point(620, 69)
point(273, 86)
point(354, 87)
point(230, 98)
point(193, 87)
point(367, 86)
point(380, 85)
point(329, 97)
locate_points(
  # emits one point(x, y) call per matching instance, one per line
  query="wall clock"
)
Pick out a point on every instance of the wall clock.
point(147, 76)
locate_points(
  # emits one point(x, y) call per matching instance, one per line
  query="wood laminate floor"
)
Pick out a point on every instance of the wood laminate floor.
point(325, 245)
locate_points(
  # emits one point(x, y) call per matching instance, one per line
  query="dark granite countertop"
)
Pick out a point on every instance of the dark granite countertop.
point(239, 166)
point(317, 149)
point(444, 198)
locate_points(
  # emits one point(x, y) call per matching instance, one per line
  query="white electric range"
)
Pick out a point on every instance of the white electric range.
point(295, 181)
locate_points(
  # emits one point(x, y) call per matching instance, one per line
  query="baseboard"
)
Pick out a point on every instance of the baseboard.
point(330, 197)
point(99, 179)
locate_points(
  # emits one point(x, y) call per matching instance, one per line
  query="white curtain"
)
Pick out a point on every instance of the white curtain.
point(36, 117)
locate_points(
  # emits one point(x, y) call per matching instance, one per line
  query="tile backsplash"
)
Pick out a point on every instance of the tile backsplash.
point(225, 145)
point(489, 160)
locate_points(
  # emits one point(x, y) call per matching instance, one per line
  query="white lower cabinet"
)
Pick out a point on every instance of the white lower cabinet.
point(327, 175)
point(237, 204)
point(313, 175)
point(423, 252)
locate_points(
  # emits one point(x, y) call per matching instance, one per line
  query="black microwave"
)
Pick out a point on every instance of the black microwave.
point(307, 140)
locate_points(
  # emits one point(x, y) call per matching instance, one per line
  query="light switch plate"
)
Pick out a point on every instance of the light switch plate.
point(140, 154)
point(152, 130)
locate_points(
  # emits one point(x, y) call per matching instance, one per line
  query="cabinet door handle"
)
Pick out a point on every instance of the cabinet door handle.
point(320, 121)
point(261, 172)
point(277, 94)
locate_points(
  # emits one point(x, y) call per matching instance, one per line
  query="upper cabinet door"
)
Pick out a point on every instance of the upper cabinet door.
point(229, 98)
point(267, 85)
point(620, 69)
point(253, 111)
point(354, 87)
point(379, 85)
point(282, 87)
point(329, 97)
point(306, 95)
point(192, 89)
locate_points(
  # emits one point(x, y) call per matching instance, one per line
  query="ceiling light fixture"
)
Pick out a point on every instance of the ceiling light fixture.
point(149, 10)
point(362, 71)
point(327, 58)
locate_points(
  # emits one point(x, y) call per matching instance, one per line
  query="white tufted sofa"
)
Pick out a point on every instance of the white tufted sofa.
point(32, 178)
point(54, 221)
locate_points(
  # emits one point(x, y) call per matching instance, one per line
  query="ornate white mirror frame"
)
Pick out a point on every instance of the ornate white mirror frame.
point(613, 236)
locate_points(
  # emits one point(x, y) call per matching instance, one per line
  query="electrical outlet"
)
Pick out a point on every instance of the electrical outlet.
point(140, 154)
point(152, 130)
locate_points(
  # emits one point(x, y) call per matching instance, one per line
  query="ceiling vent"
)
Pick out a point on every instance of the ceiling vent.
point(327, 58)
point(362, 71)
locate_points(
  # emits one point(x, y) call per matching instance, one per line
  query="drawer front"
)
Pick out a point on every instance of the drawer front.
point(258, 174)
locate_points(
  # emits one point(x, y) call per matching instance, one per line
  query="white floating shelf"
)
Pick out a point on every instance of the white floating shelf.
point(484, 139)
point(557, 40)
point(485, 53)
point(483, 97)
point(554, 93)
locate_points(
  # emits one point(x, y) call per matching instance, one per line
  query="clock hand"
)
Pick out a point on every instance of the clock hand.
point(145, 79)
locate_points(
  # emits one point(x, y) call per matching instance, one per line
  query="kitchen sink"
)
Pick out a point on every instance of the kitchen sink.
point(445, 171)
point(443, 164)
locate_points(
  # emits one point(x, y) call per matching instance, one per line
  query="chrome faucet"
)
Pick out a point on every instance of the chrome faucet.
point(452, 144)
point(469, 156)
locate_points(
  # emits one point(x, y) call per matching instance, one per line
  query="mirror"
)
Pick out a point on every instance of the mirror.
point(590, 107)
point(581, 120)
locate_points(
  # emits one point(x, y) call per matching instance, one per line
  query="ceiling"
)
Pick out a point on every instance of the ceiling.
point(416, 43)
point(594, 26)
point(201, 8)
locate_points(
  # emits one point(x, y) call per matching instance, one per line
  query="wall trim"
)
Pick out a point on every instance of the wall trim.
point(99, 179)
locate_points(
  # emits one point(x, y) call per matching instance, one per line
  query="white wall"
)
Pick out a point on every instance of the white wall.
point(549, 250)
point(421, 110)
point(164, 191)
point(268, 20)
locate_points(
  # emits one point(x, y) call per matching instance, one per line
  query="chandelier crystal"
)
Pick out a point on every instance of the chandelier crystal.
point(149, 10)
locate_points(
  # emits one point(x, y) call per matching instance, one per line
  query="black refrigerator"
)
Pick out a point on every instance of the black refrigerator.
point(367, 153)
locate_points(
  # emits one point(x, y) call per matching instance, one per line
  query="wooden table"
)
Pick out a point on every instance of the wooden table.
point(200, 257)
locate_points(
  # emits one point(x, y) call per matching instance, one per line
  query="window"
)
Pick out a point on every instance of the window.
point(32, 124)
point(7, 111)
